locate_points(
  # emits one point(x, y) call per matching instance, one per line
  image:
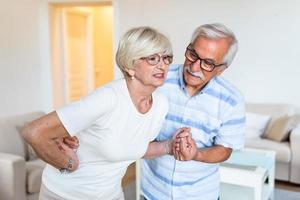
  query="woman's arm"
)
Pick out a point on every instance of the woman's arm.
point(156, 149)
point(46, 135)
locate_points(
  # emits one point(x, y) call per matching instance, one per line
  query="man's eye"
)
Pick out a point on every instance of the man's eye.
point(194, 55)
point(208, 62)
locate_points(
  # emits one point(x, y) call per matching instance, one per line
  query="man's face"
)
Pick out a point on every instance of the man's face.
point(209, 50)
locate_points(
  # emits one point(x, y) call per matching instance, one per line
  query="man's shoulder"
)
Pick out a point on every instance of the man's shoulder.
point(173, 71)
point(174, 67)
point(228, 88)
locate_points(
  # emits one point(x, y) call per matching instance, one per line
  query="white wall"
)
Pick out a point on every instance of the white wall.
point(25, 69)
point(266, 69)
point(24, 82)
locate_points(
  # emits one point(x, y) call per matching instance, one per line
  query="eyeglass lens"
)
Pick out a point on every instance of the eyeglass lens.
point(155, 59)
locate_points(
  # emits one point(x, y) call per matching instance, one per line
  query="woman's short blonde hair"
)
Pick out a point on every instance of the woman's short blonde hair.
point(140, 42)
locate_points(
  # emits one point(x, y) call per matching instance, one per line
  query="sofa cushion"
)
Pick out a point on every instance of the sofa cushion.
point(11, 140)
point(34, 170)
point(282, 127)
point(282, 149)
point(275, 110)
point(31, 155)
point(256, 124)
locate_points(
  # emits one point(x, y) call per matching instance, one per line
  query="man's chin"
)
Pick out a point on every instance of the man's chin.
point(193, 81)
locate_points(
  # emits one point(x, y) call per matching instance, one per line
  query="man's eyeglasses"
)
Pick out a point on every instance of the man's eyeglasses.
point(205, 64)
point(155, 59)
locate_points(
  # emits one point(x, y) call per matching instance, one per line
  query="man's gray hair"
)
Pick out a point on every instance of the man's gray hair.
point(218, 31)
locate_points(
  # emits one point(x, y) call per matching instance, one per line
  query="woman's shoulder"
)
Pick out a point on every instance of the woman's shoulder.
point(113, 87)
point(118, 83)
point(161, 100)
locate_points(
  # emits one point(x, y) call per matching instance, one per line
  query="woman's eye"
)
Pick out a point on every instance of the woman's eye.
point(152, 58)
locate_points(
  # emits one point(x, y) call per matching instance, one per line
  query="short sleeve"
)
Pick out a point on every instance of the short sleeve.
point(232, 131)
point(79, 115)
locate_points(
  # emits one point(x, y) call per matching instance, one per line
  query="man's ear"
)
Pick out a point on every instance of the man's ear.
point(221, 70)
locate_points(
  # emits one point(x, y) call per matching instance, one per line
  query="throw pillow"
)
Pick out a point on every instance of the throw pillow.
point(31, 155)
point(256, 124)
point(281, 128)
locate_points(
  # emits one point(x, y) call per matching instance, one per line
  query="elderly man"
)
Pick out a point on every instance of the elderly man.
point(213, 109)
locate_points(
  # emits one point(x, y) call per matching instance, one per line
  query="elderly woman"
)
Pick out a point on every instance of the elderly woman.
point(114, 125)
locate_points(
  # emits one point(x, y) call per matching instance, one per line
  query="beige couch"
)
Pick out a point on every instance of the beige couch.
point(282, 135)
point(20, 170)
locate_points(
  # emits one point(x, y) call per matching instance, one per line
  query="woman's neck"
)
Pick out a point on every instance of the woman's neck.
point(140, 95)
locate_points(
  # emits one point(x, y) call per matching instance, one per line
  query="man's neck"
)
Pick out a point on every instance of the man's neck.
point(194, 90)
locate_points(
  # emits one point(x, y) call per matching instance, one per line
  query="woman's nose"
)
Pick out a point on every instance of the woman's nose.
point(161, 64)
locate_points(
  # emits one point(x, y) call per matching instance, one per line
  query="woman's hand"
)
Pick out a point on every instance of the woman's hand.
point(71, 142)
point(68, 146)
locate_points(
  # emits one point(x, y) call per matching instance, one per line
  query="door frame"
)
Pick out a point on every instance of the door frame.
point(89, 50)
point(45, 39)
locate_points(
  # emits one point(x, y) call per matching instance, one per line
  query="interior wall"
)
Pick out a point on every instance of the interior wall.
point(25, 68)
point(24, 82)
point(266, 68)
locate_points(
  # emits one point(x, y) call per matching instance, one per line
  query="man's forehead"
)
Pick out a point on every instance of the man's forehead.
point(211, 47)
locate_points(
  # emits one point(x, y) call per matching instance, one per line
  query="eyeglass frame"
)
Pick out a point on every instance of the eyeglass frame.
point(167, 57)
point(201, 60)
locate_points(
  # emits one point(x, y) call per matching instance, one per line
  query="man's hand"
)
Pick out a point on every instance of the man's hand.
point(187, 149)
point(184, 146)
point(184, 132)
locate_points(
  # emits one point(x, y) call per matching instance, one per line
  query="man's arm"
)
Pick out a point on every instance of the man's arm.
point(186, 149)
point(215, 154)
point(46, 135)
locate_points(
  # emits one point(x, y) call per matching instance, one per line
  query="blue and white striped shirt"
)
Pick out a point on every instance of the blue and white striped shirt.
point(216, 116)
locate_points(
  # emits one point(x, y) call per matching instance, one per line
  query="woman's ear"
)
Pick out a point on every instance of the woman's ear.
point(130, 72)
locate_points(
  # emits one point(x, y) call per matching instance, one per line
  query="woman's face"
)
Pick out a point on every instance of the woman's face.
point(152, 70)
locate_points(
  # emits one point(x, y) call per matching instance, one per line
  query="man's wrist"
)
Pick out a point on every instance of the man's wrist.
point(197, 156)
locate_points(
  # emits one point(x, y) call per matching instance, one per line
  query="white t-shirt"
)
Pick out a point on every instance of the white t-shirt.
point(112, 134)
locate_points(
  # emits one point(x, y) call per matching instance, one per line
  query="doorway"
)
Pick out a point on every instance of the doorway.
point(81, 49)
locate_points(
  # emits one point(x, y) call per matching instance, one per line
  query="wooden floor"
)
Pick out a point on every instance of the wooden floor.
point(287, 186)
point(130, 176)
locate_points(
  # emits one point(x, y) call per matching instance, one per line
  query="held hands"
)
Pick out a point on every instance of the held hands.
point(183, 145)
point(69, 146)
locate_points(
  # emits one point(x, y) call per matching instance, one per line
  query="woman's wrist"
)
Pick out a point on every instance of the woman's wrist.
point(68, 167)
point(167, 146)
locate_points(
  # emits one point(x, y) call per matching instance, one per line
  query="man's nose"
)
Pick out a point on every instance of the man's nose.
point(195, 66)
